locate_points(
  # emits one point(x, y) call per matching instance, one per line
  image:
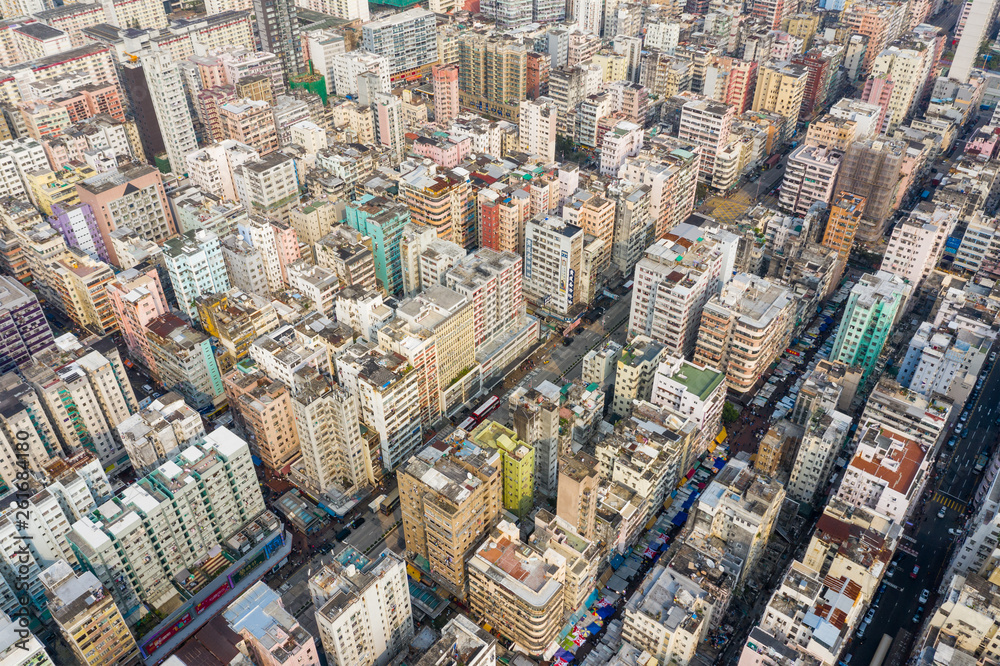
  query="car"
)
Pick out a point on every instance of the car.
point(916, 618)
point(965, 433)
point(951, 443)
point(358, 522)
point(916, 570)
point(343, 534)
point(892, 570)
point(943, 512)
point(953, 532)
point(862, 629)
point(924, 596)
point(871, 615)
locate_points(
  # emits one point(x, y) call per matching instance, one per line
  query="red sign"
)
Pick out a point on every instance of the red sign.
point(212, 598)
point(155, 644)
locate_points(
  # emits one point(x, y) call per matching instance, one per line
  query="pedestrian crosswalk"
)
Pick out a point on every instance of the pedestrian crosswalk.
point(953, 504)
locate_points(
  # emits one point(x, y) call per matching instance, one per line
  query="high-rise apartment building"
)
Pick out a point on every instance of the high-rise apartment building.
point(130, 196)
point(211, 168)
point(917, 242)
point(184, 361)
point(780, 89)
point(872, 169)
point(80, 283)
point(492, 283)
point(633, 228)
point(389, 127)
point(826, 432)
point(908, 67)
point(744, 329)
point(159, 432)
point(334, 454)
point(981, 14)
point(87, 394)
point(875, 304)
point(251, 123)
point(675, 279)
point(25, 330)
point(672, 176)
point(537, 128)
point(262, 409)
point(268, 187)
point(517, 590)
point(383, 222)
point(137, 298)
point(278, 28)
point(492, 74)
point(88, 617)
point(390, 399)
point(553, 262)
point(196, 267)
point(445, 78)
point(139, 542)
point(635, 373)
point(846, 210)
point(810, 175)
point(363, 608)
point(706, 124)
point(450, 499)
point(441, 199)
point(406, 39)
point(163, 81)
point(347, 67)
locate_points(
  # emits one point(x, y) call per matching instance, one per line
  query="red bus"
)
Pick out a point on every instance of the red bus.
point(486, 409)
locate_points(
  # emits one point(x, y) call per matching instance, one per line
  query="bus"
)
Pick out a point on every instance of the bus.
point(390, 502)
point(468, 424)
point(486, 409)
point(882, 651)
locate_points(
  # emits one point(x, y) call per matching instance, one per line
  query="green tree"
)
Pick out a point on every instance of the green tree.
point(729, 413)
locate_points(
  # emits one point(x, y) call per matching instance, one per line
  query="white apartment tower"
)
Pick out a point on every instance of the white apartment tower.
point(140, 540)
point(674, 281)
point(170, 103)
point(553, 264)
point(537, 127)
point(196, 267)
point(825, 434)
point(327, 420)
point(706, 123)
point(363, 608)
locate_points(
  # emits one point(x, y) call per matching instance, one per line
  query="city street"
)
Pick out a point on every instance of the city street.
point(730, 209)
point(566, 362)
point(927, 535)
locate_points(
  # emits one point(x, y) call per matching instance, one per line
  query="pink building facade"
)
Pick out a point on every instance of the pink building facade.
point(445, 78)
point(137, 298)
point(444, 152)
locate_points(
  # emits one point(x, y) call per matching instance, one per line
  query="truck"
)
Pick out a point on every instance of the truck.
point(981, 462)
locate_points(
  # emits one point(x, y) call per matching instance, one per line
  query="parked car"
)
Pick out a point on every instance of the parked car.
point(924, 596)
point(870, 616)
point(343, 534)
point(358, 522)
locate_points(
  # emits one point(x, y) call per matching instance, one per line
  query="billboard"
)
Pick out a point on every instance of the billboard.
point(247, 569)
point(212, 598)
point(165, 635)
